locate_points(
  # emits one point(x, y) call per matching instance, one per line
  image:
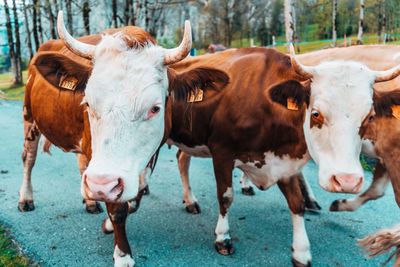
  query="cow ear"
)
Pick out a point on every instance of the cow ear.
point(61, 71)
point(387, 104)
point(183, 84)
point(291, 94)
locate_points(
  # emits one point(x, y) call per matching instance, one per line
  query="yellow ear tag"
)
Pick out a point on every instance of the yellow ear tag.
point(291, 104)
point(396, 111)
point(68, 82)
point(195, 97)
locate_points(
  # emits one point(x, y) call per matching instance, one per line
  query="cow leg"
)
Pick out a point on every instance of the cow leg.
point(91, 206)
point(122, 251)
point(291, 189)
point(247, 189)
point(309, 197)
point(31, 142)
point(133, 206)
point(189, 199)
point(223, 174)
point(375, 191)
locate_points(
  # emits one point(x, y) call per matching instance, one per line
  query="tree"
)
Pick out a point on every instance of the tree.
point(361, 23)
point(51, 19)
point(334, 22)
point(68, 5)
point(39, 20)
point(290, 26)
point(35, 29)
point(85, 16)
point(18, 71)
point(114, 13)
point(28, 31)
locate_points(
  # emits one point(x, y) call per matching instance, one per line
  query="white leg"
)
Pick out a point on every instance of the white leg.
point(247, 189)
point(301, 244)
point(222, 229)
point(32, 137)
point(121, 259)
point(189, 199)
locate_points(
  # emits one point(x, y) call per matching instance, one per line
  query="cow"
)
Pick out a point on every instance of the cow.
point(383, 129)
point(379, 57)
point(62, 91)
point(267, 121)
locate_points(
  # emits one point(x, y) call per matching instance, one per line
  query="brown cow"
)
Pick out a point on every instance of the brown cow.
point(265, 121)
point(55, 92)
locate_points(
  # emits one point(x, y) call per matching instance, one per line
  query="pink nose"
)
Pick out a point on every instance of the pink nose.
point(346, 183)
point(103, 188)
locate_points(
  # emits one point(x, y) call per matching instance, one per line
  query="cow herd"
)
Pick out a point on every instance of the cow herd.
point(114, 99)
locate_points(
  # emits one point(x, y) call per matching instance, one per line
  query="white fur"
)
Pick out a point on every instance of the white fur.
point(197, 151)
point(124, 85)
point(244, 181)
point(342, 92)
point(275, 168)
point(368, 148)
point(121, 259)
point(222, 229)
point(108, 225)
point(301, 244)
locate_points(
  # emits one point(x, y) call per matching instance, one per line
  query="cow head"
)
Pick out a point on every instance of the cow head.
point(126, 101)
point(382, 128)
point(341, 97)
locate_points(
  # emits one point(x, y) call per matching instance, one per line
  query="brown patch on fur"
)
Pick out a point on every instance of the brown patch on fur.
point(46, 146)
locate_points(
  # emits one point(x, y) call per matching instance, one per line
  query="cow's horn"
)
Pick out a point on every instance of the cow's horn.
point(174, 55)
point(387, 75)
point(77, 47)
point(303, 71)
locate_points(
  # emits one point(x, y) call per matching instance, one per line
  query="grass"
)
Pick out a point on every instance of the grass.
point(10, 255)
point(8, 90)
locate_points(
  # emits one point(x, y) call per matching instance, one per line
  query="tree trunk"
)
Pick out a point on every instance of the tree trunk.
point(13, 59)
point(85, 14)
point(361, 23)
point(128, 12)
point(383, 23)
point(146, 15)
point(39, 21)
point(334, 22)
point(289, 21)
point(18, 79)
point(114, 13)
point(68, 5)
point(51, 20)
point(28, 32)
point(35, 26)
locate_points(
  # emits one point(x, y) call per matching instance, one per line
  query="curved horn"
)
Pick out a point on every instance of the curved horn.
point(174, 55)
point(303, 71)
point(77, 47)
point(387, 75)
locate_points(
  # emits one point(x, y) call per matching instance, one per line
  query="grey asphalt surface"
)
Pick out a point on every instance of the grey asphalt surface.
point(60, 233)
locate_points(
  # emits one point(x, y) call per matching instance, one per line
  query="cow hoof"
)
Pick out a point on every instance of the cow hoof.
point(107, 227)
point(146, 190)
point(26, 205)
point(296, 263)
point(94, 208)
point(193, 208)
point(313, 206)
point(248, 191)
point(225, 247)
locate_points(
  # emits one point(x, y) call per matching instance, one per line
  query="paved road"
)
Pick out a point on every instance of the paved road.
point(60, 233)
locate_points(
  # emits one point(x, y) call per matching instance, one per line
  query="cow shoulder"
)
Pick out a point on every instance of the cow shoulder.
point(182, 84)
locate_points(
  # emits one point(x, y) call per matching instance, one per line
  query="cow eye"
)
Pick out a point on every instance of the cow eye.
point(155, 109)
point(371, 118)
point(316, 118)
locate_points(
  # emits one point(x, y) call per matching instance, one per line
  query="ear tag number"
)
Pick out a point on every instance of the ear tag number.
point(396, 111)
point(198, 97)
point(68, 82)
point(291, 104)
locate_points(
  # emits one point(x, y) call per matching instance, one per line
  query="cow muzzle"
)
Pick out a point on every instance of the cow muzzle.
point(346, 183)
point(106, 188)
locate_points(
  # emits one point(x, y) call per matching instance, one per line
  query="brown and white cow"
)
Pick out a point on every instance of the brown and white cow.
point(265, 118)
point(131, 62)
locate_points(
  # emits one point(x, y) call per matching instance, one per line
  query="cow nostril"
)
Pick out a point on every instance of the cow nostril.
point(335, 180)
